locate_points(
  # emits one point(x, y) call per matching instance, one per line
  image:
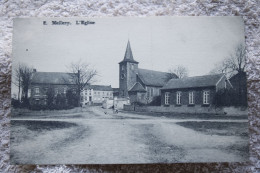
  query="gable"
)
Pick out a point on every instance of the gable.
point(137, 88)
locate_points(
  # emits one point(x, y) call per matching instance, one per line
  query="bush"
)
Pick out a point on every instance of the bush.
point(228, 97)
point(15, 103)
point(38, 107)
point(138, 104)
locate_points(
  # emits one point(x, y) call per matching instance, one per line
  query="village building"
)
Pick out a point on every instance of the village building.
point(96, 94)
point(196, 91)
point(42, 81)
point(140, 85)
point(61, 82)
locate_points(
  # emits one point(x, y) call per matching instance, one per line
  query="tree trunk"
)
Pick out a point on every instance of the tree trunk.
point(19, 89)
point(79, 97)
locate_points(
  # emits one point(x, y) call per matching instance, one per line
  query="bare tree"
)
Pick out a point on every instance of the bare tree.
point(234, 63)
point(179, 72)
point(22, 77)
point(17, 81)
point(81, 75)
point(26, 77)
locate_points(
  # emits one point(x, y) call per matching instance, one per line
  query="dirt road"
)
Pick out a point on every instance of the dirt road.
point(98, 136)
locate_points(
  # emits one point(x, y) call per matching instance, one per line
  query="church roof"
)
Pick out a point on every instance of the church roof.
point(128, 54)
point(137, 88)
point(193, 82)
point(51, 78)
point(153, 78)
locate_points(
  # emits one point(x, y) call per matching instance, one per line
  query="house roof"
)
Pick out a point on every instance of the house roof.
point(128, 54)
point(192, 82)
point(62, 79)
point(100, 87)
point(51, 78)
point(153, 78)
point(137, 88)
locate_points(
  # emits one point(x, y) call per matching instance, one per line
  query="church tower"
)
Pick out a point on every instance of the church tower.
point(128, 68)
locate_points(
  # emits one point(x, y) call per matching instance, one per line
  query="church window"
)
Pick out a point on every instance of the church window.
point(132, 66)
point(123, 67)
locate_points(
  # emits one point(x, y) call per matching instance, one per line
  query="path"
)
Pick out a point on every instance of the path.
point(125, 138)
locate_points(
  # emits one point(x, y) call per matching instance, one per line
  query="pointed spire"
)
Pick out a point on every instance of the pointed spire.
point(128, 54)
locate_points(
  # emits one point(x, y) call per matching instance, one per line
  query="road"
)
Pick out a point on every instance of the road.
point(91, 137)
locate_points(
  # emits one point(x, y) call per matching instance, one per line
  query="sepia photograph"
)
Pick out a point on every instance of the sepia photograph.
point(129, 90)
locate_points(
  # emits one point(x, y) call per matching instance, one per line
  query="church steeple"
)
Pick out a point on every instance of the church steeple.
point(128, 54)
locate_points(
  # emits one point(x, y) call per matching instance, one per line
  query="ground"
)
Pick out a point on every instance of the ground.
point(95, 135)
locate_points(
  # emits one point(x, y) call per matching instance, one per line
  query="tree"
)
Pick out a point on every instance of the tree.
point(26, 77)
point(17, 80)
point(22, 80)
point(81, 75)
point(234, 63)
point(177, 72)
point(72, 99)
point(50, 96)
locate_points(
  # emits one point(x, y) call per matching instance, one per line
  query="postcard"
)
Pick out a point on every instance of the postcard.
point(129, 90)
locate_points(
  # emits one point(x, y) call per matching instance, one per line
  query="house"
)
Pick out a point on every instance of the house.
point(60, 83)
point(42, 81)
point(196, 91)
point(140, 85)
point(96, 94)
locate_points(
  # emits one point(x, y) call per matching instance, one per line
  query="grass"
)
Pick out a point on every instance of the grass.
point(42, 125)
point(218, 128)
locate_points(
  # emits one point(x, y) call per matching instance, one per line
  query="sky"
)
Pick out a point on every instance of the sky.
point(158, 43)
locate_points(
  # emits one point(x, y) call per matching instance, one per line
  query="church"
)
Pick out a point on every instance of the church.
point(139, 85)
